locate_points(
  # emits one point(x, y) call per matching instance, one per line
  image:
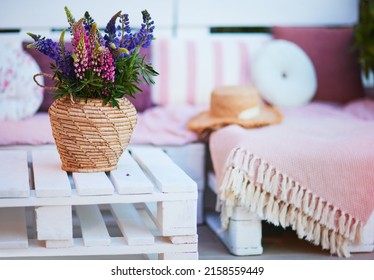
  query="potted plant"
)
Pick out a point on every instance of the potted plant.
point(91, 118)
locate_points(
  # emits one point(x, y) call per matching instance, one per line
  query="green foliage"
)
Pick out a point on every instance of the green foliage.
point(130, 72)
point(364, 36)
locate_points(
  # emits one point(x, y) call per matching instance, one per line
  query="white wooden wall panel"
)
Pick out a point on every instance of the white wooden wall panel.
point(197, 13)
point(178, 17)
point(42, 14)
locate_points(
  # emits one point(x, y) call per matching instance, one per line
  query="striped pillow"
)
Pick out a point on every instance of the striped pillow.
point(191, 68)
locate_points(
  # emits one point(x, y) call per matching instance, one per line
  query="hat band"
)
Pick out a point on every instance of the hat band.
point(249, 113)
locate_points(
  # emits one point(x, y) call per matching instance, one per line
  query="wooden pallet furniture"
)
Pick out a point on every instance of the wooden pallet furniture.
point(147, 206)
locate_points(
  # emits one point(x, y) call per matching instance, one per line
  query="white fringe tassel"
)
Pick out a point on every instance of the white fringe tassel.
point(251, 182)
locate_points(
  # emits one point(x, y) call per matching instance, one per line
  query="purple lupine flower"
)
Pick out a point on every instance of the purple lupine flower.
point(146, 30)
point(110, 31)
point(144, 37)
point(65, 63)
point(88, 22)
point(45, 46)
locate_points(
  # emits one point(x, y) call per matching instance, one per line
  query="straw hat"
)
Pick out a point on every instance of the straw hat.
point(239, 105)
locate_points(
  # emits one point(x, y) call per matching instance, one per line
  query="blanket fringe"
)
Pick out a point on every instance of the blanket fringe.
point(253, 183)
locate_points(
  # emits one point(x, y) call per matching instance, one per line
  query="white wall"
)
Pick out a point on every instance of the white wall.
point(185, 15)
point(41, 14)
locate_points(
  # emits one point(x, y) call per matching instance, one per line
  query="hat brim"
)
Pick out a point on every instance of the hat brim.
point(204, 121)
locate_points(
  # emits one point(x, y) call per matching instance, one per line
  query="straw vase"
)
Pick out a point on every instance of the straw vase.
point(91, 137)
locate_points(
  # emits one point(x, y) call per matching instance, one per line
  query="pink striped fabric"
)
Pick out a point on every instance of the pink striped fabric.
point(164, 69)
point(218, 64)
point(191, 73)
point(244, 65)
point(191, 68)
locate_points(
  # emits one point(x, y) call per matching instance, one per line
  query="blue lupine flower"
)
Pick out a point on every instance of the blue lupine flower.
point(45, 46)
point(88, 21)
point(110, 30)
point(65, 62)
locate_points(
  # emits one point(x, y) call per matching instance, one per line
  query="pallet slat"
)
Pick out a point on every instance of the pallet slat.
point(14, 174)
point(13, 230)
point(94, 230)
point(131, 225)
point(117, 247)
point(128, 178)
point(164, 172)
point(50, 179)
point(136, 229)
point(92, 183)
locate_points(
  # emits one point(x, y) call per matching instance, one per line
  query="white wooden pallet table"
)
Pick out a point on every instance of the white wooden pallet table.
point(44, 211)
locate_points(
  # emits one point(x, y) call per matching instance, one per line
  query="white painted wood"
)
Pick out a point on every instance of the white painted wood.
point(242, 237)
point(59, 243)
point(54, 222)
point(128, 178)
point(75, 199)
point(44, 15)
point(163, 171)
point(117, 247)
point(183, 239)
point(173, 218)
point(13, 230)
point(14, 174)
point(131, 225)
point(176, 217)
point(190, 158)
point(207, 13)
point(50, 179)
point(94, 231)
point(96, 183)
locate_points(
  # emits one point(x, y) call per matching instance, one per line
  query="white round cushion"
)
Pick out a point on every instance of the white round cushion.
point(284, 74)
point(20, 97)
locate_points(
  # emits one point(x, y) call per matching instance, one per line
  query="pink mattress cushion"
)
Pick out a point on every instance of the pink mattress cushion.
point(156, 126)
point(316, 166)
point(141, 102)
point(330, 49)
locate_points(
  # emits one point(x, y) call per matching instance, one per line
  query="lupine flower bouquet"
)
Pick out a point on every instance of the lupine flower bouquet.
point(105, 67)
point(92, 120)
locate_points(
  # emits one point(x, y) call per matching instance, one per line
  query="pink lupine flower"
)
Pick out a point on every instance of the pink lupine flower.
point(81, 62)
point(107, 65)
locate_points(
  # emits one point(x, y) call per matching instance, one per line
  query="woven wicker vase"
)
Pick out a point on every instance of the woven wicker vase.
point(91, 137)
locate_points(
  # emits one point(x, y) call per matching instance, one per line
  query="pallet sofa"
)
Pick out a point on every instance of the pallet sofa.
point(192, 59)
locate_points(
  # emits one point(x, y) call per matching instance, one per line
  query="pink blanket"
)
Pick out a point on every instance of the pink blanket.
point(314, 171)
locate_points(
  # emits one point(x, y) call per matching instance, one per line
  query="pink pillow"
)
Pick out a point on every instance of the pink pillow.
point(142, 101)
point(330, 49)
